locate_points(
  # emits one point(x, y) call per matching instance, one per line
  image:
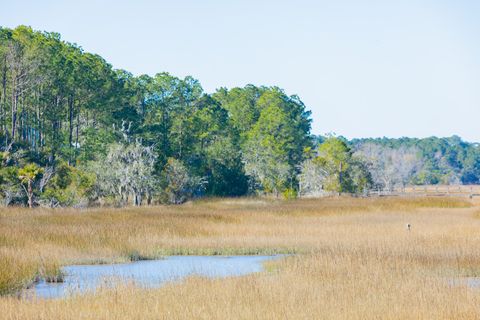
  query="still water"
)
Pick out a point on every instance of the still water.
point(150, 273)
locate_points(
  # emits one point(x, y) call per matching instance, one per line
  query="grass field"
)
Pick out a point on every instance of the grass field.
point(354, 258)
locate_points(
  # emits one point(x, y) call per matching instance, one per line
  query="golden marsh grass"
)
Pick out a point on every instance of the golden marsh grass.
point(355, 259)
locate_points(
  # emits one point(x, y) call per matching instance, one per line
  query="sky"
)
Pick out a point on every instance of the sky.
point(364, 68)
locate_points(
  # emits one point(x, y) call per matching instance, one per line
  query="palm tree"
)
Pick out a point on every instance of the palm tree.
point(27, 175)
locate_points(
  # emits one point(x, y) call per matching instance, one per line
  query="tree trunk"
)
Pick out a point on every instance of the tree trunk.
point(14, 113)
point(30, 194)
point(4, 97)
point(149, 200)
point(137, 199)
point(76, 138)
point(340, 178)
point(70, 128)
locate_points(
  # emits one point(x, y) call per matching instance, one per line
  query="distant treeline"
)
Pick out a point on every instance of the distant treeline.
point(441, 160)
point(76, 132)
point(384, 164)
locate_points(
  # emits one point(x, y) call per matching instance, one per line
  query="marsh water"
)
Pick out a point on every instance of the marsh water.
point(471, 282)
point(149, 273)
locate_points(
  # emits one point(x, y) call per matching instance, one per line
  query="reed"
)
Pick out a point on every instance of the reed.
point(355, 259)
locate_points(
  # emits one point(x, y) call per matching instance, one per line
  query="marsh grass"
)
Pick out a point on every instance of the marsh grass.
point(355, 259)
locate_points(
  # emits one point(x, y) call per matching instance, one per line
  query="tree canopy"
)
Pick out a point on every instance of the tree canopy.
point(69, 110)
point(74, 131)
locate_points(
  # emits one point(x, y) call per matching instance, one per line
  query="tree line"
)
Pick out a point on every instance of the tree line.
point(76, 132)
point(73, 131)
point(386, 164)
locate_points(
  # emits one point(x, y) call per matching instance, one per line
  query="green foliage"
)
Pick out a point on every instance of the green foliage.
point(11, 191)
point(70, 108)
point(241, 104)
point(81, 131)
point(28, 176)
point(445, 160)
point(69, 187)
point(267, 148)
point(275, 144)
point(360, 178)
point(95, 144)
point(289, 193)
point(29, 173)
point(334, 157)
point(179, 184)
point(335, 169)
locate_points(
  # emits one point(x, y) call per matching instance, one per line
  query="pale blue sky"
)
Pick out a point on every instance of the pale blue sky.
point(364, 68)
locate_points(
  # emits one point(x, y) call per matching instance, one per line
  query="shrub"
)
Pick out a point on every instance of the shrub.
point(289, 194)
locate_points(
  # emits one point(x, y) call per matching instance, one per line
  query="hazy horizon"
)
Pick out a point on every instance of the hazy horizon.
point(365, 69)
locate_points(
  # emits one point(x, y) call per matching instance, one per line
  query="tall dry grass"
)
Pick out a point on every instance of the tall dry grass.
point(356, 259)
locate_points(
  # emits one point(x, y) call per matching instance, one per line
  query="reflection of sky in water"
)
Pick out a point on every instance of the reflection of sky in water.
point(150, 273)
point(471, 282)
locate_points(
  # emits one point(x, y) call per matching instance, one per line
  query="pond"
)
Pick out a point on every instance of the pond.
point(148, 273)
